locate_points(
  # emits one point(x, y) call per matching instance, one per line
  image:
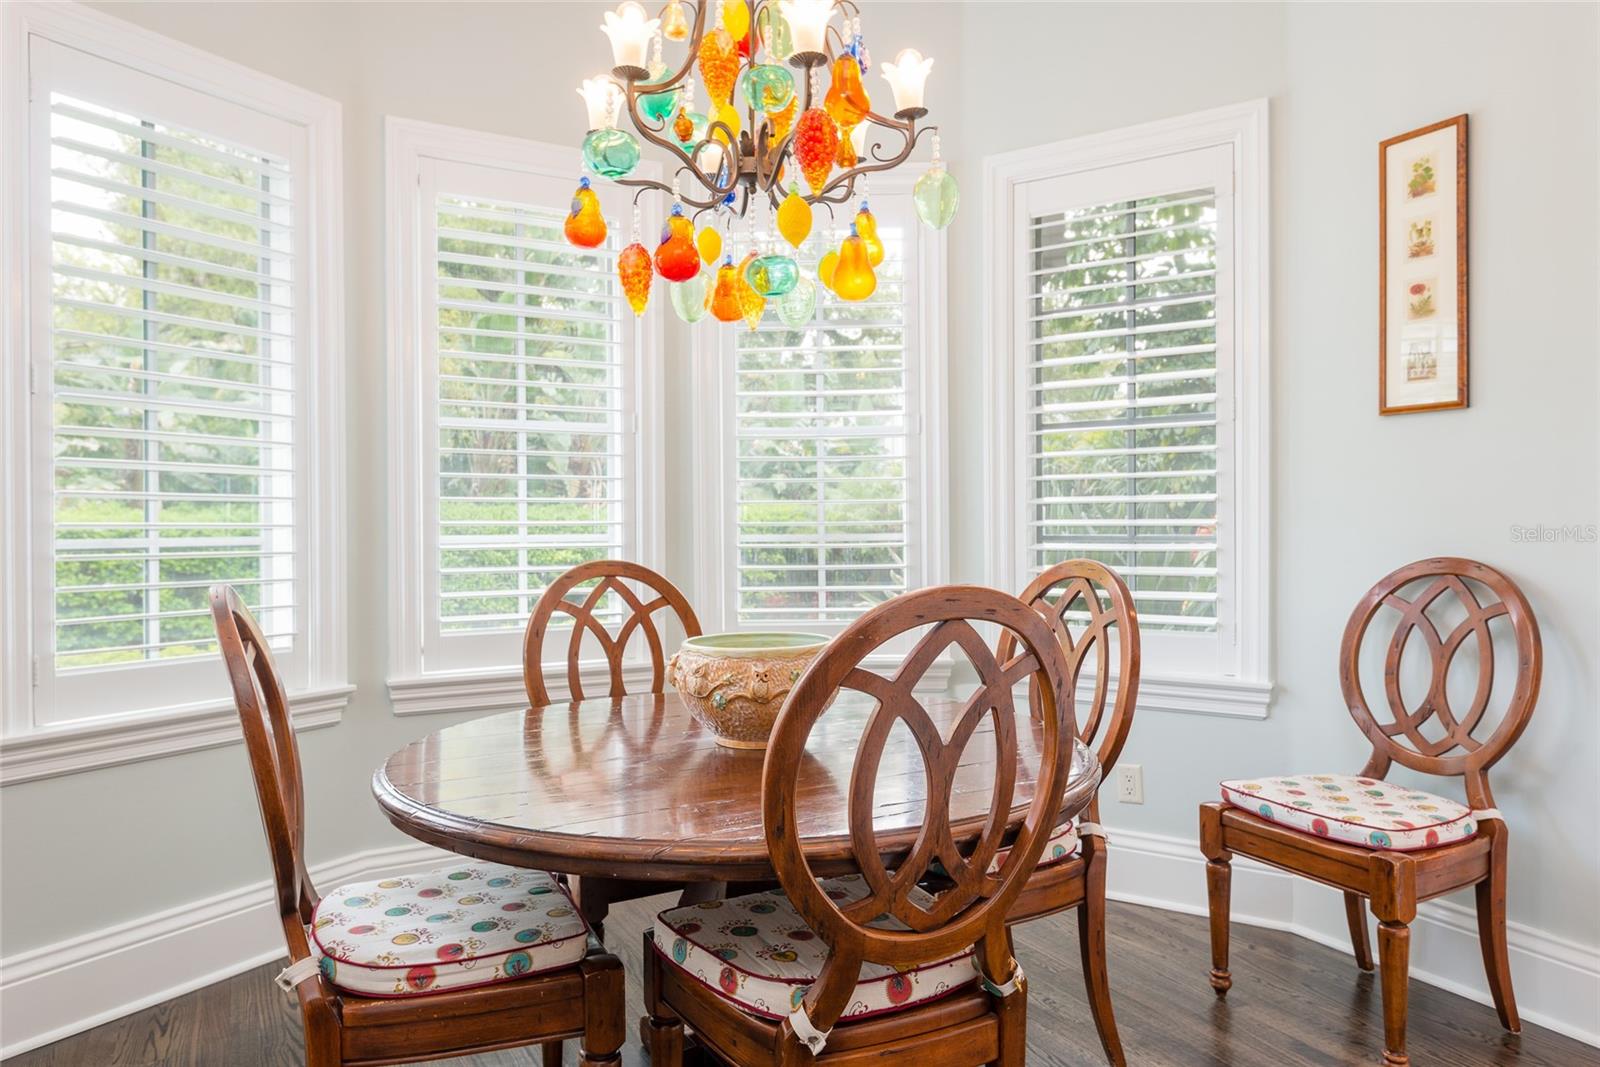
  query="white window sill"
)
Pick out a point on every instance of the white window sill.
point(1230, 697)
point(502, 690)
point(82, 746)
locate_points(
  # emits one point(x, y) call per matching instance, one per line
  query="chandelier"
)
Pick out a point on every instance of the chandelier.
point(771, 139)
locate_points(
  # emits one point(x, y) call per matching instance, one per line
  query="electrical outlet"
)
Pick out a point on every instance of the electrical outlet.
point(1130, 784)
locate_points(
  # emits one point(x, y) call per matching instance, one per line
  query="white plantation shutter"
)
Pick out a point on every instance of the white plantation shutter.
point(169, 249)
point(1126, 326)
point(826, 449)
point(529, 411)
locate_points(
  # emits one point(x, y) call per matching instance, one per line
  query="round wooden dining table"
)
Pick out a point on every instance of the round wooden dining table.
point(626, 792)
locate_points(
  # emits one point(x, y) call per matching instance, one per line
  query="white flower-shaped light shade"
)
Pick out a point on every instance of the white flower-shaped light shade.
point(908, 77)
point(600, 98)
point(630, 29)
point(808, 22)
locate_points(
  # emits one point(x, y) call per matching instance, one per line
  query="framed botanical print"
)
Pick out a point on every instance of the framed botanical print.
point(1422, 269)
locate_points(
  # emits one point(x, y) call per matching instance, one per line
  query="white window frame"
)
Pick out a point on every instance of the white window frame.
point(1242, 684)
point(33, 750)
point(409, 146)
point(716, 552)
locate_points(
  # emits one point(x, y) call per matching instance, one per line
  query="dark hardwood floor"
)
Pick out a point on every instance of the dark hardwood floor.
point(1293, 1003)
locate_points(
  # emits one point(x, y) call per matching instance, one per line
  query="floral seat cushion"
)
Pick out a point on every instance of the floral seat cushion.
point(1062, 846)
point(447, 929)
point(756, 952)
point(1367, 812)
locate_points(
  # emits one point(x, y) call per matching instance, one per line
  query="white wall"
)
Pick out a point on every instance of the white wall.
point(1354, 495)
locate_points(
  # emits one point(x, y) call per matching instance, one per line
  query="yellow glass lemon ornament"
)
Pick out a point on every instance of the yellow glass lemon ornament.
point(853, 278)
point(735, 17)
point(794, 217)
point(709, 242)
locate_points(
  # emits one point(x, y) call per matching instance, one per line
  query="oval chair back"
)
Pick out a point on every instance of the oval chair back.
point(972, 911)
point(1429, 586)
point(609, 576)
point(1091, 610)
point(269, 739)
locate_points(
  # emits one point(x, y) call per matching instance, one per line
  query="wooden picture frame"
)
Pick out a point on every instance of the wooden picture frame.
point(1422, 269)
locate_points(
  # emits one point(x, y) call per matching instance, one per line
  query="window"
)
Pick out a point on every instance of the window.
point(1135, 387)
point(519, 377)
point(175, 341)
point(828, 480)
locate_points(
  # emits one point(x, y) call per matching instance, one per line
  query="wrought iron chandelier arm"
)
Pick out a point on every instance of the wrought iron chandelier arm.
point(848, 178)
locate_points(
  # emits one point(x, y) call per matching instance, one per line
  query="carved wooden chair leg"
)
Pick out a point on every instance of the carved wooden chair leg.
point(1092, 944)
point(1355, 912)
point(1491, 893)
point(603, 1007)
point(1394, 956)
point(662, 1029)
point(1394, 902)
point(552, 1054)
point(1219, 879)
point(322, 1038)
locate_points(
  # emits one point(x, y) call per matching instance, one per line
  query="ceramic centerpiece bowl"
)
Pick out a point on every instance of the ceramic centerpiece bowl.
point(735, 684)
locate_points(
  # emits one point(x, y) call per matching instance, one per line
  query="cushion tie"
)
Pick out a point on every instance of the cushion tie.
point(1010, 986)
point(1485, 814)
point(1091, 829)
point(296, 973)
point(813, 1039)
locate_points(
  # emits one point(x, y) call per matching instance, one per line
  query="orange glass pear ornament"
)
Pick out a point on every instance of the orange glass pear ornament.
point(677, 258)
point(816, 141)
point(585, 226)
point(847, 104)
point(633, 267)
point(853, 278)
point(725, 303)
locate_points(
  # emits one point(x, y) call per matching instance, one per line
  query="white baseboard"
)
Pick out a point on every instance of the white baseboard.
point(1557, 980)
point(58, 990)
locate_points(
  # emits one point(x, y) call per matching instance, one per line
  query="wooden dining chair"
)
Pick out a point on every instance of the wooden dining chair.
point(1388, 844)
point(1089, 607)
point(465, 959)
point(610, 576)
point(870, 966)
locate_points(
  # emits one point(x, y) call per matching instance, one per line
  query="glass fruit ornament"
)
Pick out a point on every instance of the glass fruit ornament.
point(767, 87)
point(847, 100)
point(751, 303)
point(783, 121)
point(674, 22)
point(585, 226)
point(853, 278)
point(728, 115)
point(772, 275)
point(610, 153)
point(773, 28)
point(936, 196)
point(719, 64)
point(816, 140)
point(689, 128)
point(677, 259)
point(735, 18)
point(826, 267)
point(633, 267)
point(690, 298)
point(659, 107)
point(800, 306)
point(725, 305)
point(794, 217)
point(867, 227)
point(709, 242)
